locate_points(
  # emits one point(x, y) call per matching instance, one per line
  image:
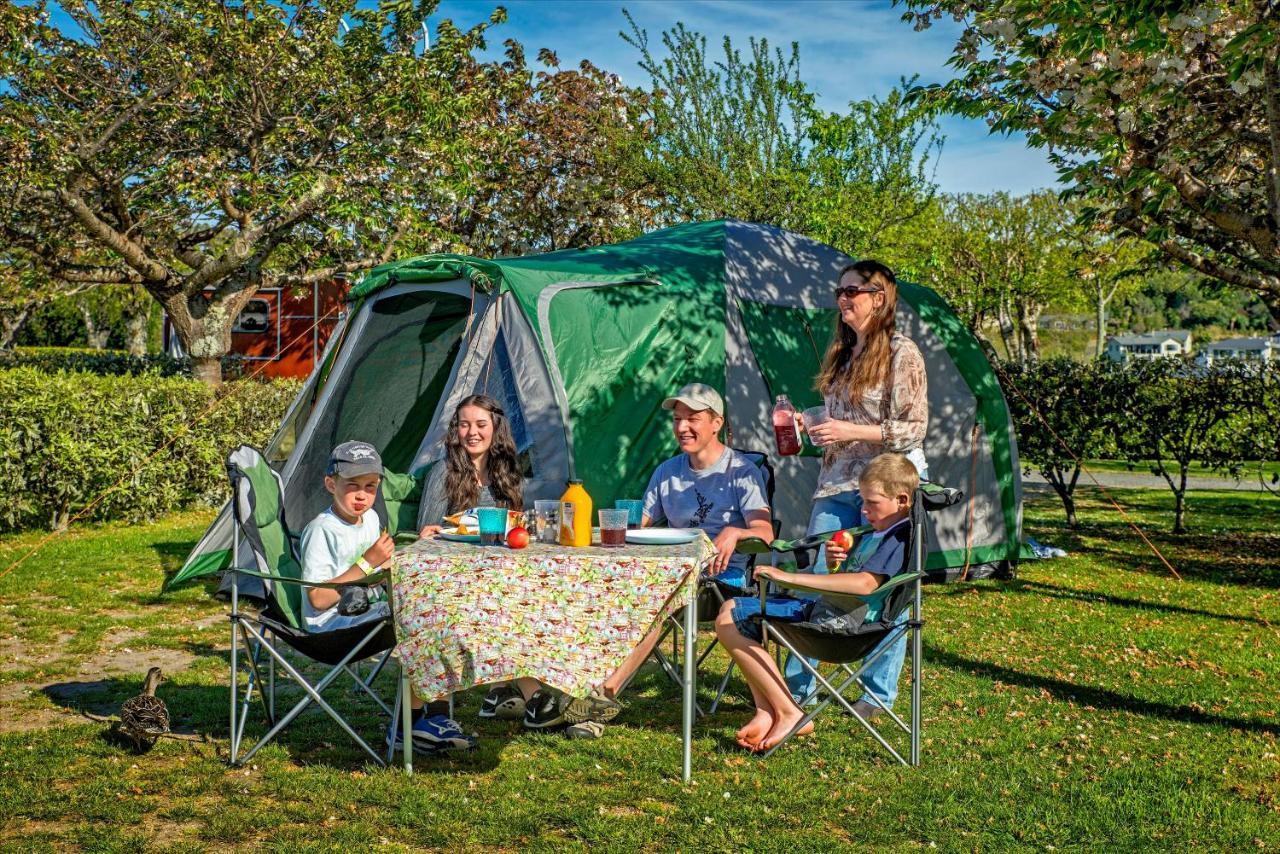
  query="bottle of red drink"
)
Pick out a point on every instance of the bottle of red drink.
point(785, 433)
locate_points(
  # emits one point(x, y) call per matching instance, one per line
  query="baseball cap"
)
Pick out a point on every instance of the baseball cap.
point(697, 396)
point(354, 458)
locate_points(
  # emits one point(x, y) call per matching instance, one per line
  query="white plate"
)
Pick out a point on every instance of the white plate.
point(661, 536)
point(454, 537)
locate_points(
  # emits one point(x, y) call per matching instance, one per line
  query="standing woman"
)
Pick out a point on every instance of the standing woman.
point(873, 382)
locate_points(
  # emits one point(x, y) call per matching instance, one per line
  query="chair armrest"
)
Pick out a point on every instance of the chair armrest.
point(371, 580)
point(849, 600)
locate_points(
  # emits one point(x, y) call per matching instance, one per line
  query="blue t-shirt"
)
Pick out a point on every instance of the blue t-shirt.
point(883, 553)
point(711, 498)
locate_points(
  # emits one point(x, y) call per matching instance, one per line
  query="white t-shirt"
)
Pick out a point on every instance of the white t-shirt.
point(329, 548)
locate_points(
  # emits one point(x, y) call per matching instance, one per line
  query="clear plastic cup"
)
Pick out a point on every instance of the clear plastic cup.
point(493, 525)
point(546, 519)
point(613, 528)
point(634, 508)
point(813, 416)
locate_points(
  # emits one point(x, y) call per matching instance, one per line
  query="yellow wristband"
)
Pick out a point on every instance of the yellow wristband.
point(365, 566)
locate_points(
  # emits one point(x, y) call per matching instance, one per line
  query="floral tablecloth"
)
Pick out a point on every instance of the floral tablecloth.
point(467, 615)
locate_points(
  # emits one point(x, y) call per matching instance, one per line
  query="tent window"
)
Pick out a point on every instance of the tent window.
point(388, 388)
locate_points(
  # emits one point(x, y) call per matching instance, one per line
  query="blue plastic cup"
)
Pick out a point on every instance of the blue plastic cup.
point(493, 525)
point(634, 508)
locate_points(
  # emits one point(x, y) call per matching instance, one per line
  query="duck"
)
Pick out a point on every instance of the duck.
point(145, 718)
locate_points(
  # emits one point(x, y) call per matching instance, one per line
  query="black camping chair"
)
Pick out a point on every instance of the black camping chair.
point(712, 593)
point(258, 508)
point(857, 636)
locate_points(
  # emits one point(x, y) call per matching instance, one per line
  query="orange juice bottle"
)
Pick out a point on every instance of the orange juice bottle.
point(575, 516)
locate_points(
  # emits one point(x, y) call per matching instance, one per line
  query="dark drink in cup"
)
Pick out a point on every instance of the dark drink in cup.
point(493, 539)
point(613, 528)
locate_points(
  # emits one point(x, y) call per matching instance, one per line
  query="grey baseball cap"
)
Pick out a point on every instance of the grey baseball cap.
point(697, 396)
point(354, 458)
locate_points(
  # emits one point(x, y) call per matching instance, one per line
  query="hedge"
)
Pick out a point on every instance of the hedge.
point(108, 362)
point(67, 439)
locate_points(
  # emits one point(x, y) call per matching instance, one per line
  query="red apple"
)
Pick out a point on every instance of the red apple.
point(517, 537)
point(842, 540)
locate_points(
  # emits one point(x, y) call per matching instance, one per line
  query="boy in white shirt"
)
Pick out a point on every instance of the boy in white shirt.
point(345, 543)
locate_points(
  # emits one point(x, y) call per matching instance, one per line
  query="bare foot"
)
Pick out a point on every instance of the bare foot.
point(782, 726)
point(749, 736)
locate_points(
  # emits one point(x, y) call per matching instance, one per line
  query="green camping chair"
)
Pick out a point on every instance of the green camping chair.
point(860, 636)
point(712, 593)
point(258, 509)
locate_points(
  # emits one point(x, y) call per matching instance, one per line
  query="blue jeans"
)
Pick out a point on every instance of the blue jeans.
point(830, 514)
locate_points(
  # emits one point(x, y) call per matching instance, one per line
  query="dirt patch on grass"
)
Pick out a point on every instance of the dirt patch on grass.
point(97, 676)
point(19, 654)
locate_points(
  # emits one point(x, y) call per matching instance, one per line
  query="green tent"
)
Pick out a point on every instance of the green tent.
point(581, 346)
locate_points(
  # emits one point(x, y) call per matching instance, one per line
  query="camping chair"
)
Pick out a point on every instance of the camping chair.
point(806, 640)
point(712, 593)
point(258, 509)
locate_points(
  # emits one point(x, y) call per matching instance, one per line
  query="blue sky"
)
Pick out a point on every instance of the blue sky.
point(849, 50)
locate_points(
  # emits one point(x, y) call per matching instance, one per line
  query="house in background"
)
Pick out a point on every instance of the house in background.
point(285, 328)
point(1263, 350)
point(1164, 344)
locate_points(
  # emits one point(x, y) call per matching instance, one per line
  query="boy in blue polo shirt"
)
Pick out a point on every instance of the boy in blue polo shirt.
point(887, 485)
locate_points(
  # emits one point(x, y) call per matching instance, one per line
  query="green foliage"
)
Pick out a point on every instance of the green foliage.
point(739, 137)
point(1058, 420)
point(108, 362)
point(132, 446)
point(1176, 412)
point(1180, 299)
point(1161, 116)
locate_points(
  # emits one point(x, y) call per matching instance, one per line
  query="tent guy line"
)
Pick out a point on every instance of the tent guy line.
point(1083, 468)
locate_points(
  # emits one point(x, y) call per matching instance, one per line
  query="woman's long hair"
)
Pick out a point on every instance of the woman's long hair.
point(840, 373)
point(460, 487)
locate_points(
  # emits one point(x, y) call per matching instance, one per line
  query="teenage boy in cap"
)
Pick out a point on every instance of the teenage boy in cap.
point(709, 486)
point(345, 543)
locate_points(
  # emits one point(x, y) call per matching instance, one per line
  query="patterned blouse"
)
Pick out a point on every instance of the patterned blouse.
point(903, 430)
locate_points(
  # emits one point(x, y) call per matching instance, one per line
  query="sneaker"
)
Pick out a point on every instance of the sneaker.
point(439, 732)
point(586, 729)
point(867, 711)
point(504, 702)
point(544, 709)
point(593, 707)
point(395, 741)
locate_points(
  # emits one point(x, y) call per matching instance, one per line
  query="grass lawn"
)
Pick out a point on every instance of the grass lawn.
point(1095, 702)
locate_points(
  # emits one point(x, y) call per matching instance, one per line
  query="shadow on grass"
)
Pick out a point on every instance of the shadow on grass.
point(312, 739)
point(172, 555)
point(1053, 591)
point(1098, 698)
point(1252, 560)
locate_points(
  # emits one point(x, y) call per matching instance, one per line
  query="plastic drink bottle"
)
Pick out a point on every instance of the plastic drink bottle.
point(575, 516)
point(785, 432)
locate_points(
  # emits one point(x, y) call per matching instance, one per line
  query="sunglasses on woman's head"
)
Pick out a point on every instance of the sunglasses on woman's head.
point(851, 291)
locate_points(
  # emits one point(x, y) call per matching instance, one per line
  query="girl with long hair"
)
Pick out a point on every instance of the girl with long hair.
point(480, 466)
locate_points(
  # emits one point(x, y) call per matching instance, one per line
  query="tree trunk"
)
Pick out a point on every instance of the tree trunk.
point(1028, 317)
point(96, 337)
point(1099, 345)
point(1060, 486)
point(11, 325)
point(1180, 502)
point(204, 327)
point(136, 332)
point(1009, 334)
